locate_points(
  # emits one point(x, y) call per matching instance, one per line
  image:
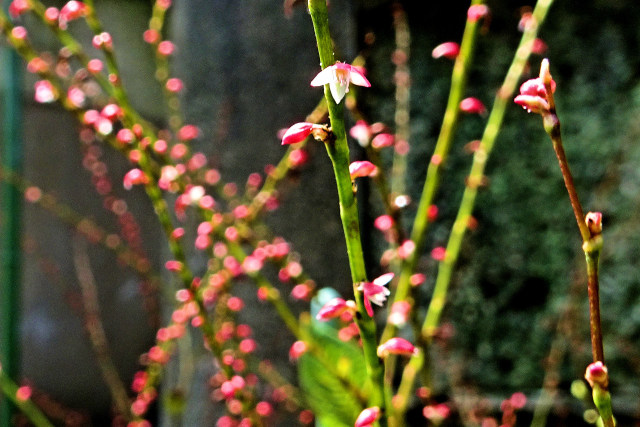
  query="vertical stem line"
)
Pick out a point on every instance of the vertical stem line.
point(441, 150)
point(593, 288)
point(338, 151)
point(10, 223)
point(480, 158)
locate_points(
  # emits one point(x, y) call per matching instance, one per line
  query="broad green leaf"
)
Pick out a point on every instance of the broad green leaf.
point(334, 387)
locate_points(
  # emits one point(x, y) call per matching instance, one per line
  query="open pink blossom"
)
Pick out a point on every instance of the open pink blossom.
point(449, 50)
point(362, 168)
point(338, 76)
point(398, 346)
point(375, 292)
point(367, 417)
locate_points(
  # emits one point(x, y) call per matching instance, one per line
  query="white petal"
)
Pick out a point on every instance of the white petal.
point(325, 76)
point(358, 78)
point(338, 90)
point(384, 279)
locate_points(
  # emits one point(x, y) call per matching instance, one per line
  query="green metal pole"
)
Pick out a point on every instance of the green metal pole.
point(11, 161)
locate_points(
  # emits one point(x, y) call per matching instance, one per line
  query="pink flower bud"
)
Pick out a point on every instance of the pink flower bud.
point(533, 104)
point(518, 400)
point(95, 66)
point(51, 14)
point(297, 133)
point(112, 112)
point(417, 279)
point(361, 133)
point(597, 373)
point(45, 92)
point(165, 48)
point(301, 292)
point(438, 253)
point(382, 140)
point(19, 33)
point(383, 222)
point(18, 7)
point(477, 11)
point(533, 95)
point(539, 47)
point(297, 349)
point(334, 308)
point(364, 168)
point(151, 36)
point(436, 413)
point(398, 346)
point(103, 41)
point(472, 106)
point(367, 417)
point(23, 393)
point(37, 65)
point(70, 11)
point(399, 313)
point(188, 132)
point(594, 222)
point(134, 177)
point(449, 50)
point(174, 85)
point(172, 265)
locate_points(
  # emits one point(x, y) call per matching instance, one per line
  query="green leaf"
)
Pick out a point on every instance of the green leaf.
point(333, 387)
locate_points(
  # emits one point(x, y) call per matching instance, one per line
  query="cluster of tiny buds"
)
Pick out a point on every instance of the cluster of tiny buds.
point(375, 135)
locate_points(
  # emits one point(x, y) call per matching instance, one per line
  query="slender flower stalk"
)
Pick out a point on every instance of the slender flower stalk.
point(480, 158)
point(467, 203)
point(24, 403)
point(590, 227)
point(402, 78)
point(443, 145)
point(338, 152)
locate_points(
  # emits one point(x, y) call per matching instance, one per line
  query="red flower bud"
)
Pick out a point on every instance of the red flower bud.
point(477, 11)
point(449, 50)
point(472, 106)
point(297, 133)
point(362, 168)
point(398, 346)
point(597, 373)
point(368, 417)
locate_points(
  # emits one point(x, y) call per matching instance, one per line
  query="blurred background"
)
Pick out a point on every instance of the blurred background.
point(518, 315)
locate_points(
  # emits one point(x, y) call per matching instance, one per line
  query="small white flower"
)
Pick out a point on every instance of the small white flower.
point(338, 76)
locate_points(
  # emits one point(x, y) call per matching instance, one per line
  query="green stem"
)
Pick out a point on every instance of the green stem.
point(441, 150)
point(481, 156)
point(403, 108)
point(593, 288)
point(11, 224)
point(338, 151)
point(95, 329)
point(592, 246)
point(27, 407)
point(476, 175)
